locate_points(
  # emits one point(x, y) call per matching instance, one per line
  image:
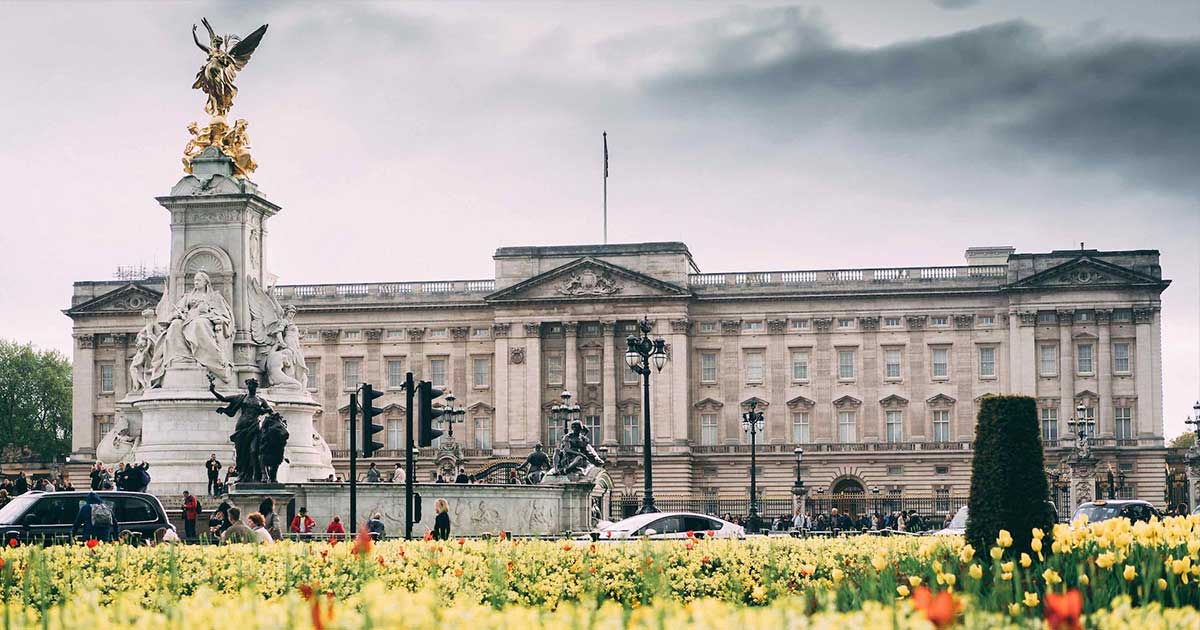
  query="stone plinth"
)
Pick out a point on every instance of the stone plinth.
point(1083, 480)
point(474, 508)
point(248, 496)
point(1192, 461)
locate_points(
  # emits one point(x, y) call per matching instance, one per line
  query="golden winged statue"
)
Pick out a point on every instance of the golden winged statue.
point(226, 57)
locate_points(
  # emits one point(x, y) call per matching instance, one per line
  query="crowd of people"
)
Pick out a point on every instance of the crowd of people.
point(834, 520)
point(21, 483)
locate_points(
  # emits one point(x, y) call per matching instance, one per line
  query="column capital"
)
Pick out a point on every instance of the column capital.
point(1103, 315)
point(1143, 315)
point(500, 329)
point(865, 323)
point(570, 328)
point(416, 333)
point(681, 326)
point(373, 334)
point(1066, 316)
point(1028, 318)
point(86, 342)
point(915, 322)
point(533, 329)
point(460, 332)
point(731, 326)
point(330, 335)
point(964, 320)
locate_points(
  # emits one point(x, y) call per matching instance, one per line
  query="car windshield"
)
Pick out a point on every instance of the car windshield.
point(15, 508)
point(960, 519)
point(1096, 513)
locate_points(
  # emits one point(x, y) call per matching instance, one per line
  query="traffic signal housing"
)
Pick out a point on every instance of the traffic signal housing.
point(426, 413)
point(369, 414)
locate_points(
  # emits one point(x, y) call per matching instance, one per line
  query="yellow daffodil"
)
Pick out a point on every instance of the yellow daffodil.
point(914, 581)
point(976, 571)
point(1025, 560)
point(1051, 577)
point(1129, 573)
point(1084, 580)
point(1031, 599)
point(1005, 539)
point(1162, 584)
point(902, 591)
point(879, 561)
point(966, 554)
point(996, 553)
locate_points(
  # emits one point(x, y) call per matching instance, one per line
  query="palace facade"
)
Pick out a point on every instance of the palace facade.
point(876, 373)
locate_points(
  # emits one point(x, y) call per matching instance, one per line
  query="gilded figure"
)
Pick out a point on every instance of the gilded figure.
point(227, 55)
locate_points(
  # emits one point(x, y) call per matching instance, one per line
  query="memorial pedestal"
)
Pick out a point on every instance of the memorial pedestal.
point(1083, 480)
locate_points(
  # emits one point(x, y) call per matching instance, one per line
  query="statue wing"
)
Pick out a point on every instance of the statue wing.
point(242, 50)
point(265, 313)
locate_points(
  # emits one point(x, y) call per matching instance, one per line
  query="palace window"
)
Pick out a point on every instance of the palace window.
point(1047, 317)
point(554, 370)
point(628, 376)
point(801, 429)
point(1083, 355)
point(799, 324)
point(351, 373)
point(985, 320)
point(987, 362)
point(592, 424)
point(481, 372)
point(754, 367)
point(1050, 424)
point(352, 335)
point(708, 368)
point(938, 320)
point(754, 326)
point(1048, 360)
point(845, 322)
point(1122, 315)
point(482, 433)
point(708, 429)
point(106, 378)
point(1124, 420)
point(1121, 358)
point(314, 374)
point(554, 431)
point(891, 322)
point(437, 333)
point(800, 366)
point(437, 372)
point(591, 369)
point(104, 424)
point(395, 434)
point(395, 374)
point(845, 364)
point(891, 364)
point(941, 426)
point(631, 430)
point(480, 332)
point(395, 334)
point(708, 327)
point(941, 363)
point(895, 427)
point(847, 427)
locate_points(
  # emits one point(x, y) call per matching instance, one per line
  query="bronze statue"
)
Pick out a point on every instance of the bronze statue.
point(269, 445)
point(226, 57)
point(575, 452)
point(535, 465)
point(245, 433)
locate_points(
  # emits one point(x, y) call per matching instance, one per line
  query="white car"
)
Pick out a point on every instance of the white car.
point(668, 525)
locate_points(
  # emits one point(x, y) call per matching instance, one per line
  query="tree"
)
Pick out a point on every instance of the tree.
point(1185, 440)
point(35, 399)
point(1008, 477)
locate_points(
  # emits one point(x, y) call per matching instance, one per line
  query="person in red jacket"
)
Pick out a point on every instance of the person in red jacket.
point(302, 523)
point(335, 529)
point(191, 512)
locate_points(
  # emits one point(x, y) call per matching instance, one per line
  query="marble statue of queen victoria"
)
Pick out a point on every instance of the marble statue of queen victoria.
point(201, 328)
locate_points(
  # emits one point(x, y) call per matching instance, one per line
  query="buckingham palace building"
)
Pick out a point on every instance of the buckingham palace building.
point(876, 373)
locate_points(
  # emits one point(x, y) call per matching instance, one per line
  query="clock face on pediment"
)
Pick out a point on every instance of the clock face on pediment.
point(588, 279)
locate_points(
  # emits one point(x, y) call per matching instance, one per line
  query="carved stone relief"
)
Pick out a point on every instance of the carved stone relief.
point(516, 356)
point(590, 283)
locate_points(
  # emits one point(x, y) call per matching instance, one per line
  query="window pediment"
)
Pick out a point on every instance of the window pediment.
point(756, 401)
point(847, 402)
point(801, 403)
point(940, 400)
point(894, 401)
point(709, 404)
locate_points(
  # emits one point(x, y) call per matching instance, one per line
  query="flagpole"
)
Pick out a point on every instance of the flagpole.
point(606, 188)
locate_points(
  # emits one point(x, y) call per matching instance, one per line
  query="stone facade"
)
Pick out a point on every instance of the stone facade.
point(876, 373)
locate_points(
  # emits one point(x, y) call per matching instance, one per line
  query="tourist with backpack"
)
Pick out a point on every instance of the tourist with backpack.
point(191, 512)
point(96, 519)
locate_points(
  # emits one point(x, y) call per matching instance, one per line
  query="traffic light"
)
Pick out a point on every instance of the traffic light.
point(416, 508)
point(426, 413)
point(369, 412)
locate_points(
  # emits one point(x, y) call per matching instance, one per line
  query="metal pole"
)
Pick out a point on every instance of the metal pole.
point(605, 187)
point(753, 477)
point(353, 459)
point(648, 476)
point(408, 455)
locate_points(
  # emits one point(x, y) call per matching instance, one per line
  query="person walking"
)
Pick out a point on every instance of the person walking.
point(237, 532)
point(302, 523)
point(441, 523)
point(373, 475)
point(376, 527)
point(191, 512)
point(335, 529)
point(96, 519)
point(213, 467)
point(270, 517)
point(258, 525)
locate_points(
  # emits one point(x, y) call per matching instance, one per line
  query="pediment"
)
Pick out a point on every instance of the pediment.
point(978, 399)
point(388, 404)
point(1086, 336)
point(940, 399)
point(1085, 272)
point(131, 298)
point(756, 401)
point(893, 401)
point(709, 403)
point(1087, 394)
point(588, 279)
point(847, 401)
point(481, 406)
point(801, 402)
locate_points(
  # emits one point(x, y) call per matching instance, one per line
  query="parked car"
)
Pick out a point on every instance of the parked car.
point(49, 517)
point(1101, 510)
point(668, 525)
point(958, 524)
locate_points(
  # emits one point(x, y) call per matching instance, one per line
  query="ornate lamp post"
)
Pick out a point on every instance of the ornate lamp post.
point(875, 496)
point(1085, 427)
point(641, 351)
point(798, 489)
point(451, 415)
point(1194, 420)
point(753, 423)
point(565, 411)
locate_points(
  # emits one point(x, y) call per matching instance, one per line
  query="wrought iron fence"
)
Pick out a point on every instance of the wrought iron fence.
point(933, 510)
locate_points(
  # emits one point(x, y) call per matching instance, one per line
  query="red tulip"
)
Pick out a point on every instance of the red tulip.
point(92, 542)
point(1063, 611)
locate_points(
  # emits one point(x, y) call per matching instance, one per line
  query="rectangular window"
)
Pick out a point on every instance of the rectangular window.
point(628, 376)
point(395, 334)
point(708, 368)
point(754, 367)
point(799, 366)
point(708, 429)
point(1120, 358)
point(1048, 360)
point(437, 333)
point(103, 427)
point(987, 362)
point(631, 430)
point(1050, 424)
point(352, 335)
point(106, 378)
point(847, 429)
point(554, 370)
point(591, 369)
point(554, 431)
point(1124, 420)
point(395, 434)
point(314, 374)
point(395, 374)
point(754, 326)
point(480, 332)
point(938, 320)
point(1047, 317)
point(845, 364)
point(350, 373)
point(482, 433)
point(891, 364)
point(801, 429)
point(708, 327)
point(799, 324)
point(437, 372)
point(985, 320)
point(895, 427)
point(346, 435)
point(891, 322)
point(481, 372)
point(845, 322)
point(1083, 362)
point(592, 424)
point(941, 363)
point(941, 426)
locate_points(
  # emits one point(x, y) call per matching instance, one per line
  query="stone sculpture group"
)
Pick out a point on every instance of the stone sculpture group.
point(259, 437)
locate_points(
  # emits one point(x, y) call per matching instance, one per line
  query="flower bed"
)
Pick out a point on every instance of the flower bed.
point(1107, 573)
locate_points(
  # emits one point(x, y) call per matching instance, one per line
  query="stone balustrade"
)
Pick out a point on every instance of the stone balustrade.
point(977, 275)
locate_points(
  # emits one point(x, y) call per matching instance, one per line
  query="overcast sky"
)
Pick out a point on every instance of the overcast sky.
point(765, 136)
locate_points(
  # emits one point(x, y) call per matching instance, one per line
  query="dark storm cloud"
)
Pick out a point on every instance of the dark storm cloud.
point(1127, 106)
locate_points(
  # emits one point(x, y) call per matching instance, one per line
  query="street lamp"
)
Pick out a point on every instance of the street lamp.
point(565, 411)
point(875, 496)
point(1195, 420)
point(1085, 427)
point(641, 351)
point(451, 415)
point(753, 423)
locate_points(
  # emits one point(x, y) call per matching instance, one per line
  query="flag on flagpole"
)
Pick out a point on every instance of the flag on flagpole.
point(605, 155)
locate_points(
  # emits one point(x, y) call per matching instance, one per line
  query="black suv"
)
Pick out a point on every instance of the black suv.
point(1132, 509)
point(49, 516)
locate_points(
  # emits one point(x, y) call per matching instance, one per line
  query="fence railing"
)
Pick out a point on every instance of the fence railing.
point(383, 290)
point(933, 510)
point(988, 273)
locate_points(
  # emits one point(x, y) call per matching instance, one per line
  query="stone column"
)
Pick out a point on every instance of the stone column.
point(1066, 364)
point(1148, 390)
point(416, 353)
point(83, 396)
point(680, 366)
point(613, 361)
point(571, 379)
point(532, 413)
point(120, 365)
point(373, 369)
point(1023, 359)
point(823, 375)
point(503, 419)
point(1102, 368)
